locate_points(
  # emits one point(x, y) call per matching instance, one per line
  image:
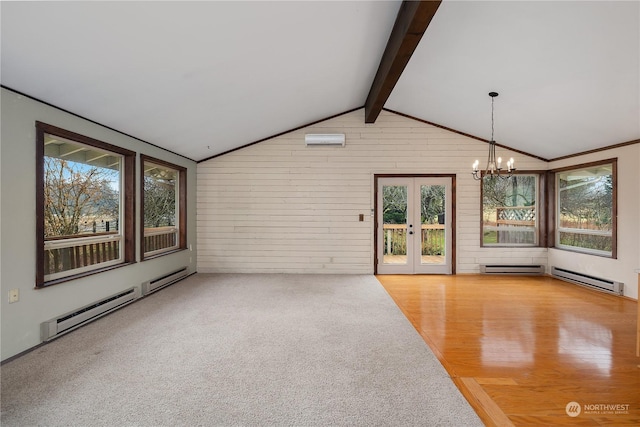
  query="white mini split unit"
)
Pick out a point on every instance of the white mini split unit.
point(325, 139)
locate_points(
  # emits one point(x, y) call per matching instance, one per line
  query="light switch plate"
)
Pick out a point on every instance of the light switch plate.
point(14, 295)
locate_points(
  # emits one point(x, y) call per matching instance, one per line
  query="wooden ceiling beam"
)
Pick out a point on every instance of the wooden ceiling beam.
point(411, 23)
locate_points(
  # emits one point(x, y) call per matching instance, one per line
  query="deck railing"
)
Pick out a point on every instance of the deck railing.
point(80, 252)
point(62, 254)
point(158, 239)
point(395, 239)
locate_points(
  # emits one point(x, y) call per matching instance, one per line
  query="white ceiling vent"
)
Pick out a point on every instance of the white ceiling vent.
point(325, 139)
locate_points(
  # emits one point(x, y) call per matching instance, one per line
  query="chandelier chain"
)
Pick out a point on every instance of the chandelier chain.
point(492, 100)
point(494, 165)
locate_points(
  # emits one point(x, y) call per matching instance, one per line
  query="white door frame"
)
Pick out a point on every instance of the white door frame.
point(413, 264)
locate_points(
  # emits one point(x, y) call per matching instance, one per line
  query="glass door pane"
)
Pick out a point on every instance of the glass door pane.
point(394, 219)
point(432, 219)
point(413, 225)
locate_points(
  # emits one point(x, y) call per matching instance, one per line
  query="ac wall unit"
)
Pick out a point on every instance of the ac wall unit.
point(325, 139)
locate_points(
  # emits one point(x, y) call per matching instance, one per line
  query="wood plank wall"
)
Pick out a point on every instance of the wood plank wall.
point(279, 206)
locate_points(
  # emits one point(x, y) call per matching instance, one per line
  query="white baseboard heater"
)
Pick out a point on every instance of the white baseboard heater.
point(165, 280)
point(604, 285)
point(67, 322)
point(511, 269)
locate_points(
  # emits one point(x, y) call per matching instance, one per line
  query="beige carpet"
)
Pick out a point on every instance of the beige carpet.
point(228, 350)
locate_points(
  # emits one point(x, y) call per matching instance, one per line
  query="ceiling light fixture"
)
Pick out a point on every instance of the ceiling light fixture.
point(494, 166)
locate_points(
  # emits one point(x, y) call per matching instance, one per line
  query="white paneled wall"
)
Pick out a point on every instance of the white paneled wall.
point(279, 206)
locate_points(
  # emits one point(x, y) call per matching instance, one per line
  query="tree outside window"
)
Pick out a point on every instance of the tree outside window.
point(163, 207)
point(510, 211)
point(81, 205)
point(80, 199)
point(585, 217)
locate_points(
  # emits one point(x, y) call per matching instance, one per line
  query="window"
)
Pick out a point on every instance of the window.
point(510, 210)
point(586, 208)
point(84, 202)
point(164, 188)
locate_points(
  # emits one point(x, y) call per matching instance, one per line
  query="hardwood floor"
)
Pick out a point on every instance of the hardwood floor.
point(521, 349)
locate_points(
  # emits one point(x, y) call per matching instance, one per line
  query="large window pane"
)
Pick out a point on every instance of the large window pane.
point(81, 206)
point(585, 218)
point(394, 216)
point(509, 211)
point(82, 191)
point(162, 211)
point(433, 233)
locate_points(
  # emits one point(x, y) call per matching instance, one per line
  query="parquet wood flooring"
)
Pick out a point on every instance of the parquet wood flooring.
point(522, 349)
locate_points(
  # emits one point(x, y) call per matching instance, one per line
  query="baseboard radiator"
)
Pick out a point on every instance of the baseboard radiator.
point(165, 280)
point(511, 269)
point(74, 319)
point(604, 285)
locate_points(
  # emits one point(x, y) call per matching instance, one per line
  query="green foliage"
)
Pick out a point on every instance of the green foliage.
point(587, 203)
point(394, 200)
point(587, 241)
point(509, 203)
point(394, 217)
point(397, 241)
point(432, 207)
point(490, 237)
point(394, 204)
point(433, 242)
point(432, 203)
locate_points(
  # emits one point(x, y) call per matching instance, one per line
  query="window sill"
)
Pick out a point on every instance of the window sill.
point(578, 251)
point(169, 252)
point(511, 246)
point(81, 275)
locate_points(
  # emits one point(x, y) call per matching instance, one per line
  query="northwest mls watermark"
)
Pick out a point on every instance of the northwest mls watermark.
point(574, 409)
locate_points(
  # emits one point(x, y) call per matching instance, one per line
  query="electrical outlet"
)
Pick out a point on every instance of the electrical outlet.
point(14, 295)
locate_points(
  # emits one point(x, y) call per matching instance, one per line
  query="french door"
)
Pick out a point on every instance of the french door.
point(414, 232)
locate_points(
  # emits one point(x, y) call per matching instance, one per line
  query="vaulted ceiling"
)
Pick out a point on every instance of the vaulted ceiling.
point(203, 78)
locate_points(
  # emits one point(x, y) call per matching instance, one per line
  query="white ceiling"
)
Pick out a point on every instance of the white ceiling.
point(568, 73)
point(202, 78)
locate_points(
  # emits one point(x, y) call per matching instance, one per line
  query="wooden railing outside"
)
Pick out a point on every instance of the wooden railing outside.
point(159, 238)
point(66, 253)
point(395, 239)
point(77, 251)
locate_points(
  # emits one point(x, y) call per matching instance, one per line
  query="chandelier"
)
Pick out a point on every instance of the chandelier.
point(494, 166)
